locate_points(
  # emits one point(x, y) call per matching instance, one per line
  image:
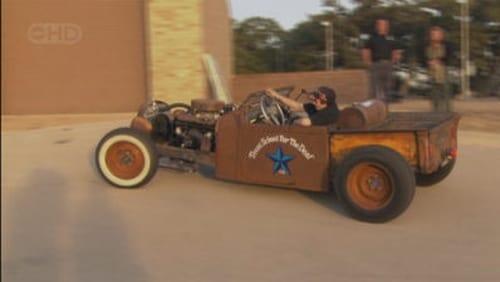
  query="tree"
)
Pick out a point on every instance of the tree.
point(263, 46)
point(259, 42)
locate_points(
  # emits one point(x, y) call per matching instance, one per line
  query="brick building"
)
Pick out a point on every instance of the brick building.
point(84, 56)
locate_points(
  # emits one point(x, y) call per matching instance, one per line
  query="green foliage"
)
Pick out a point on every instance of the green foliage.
point(263, 46)
point(305, 47)
point(258, 44)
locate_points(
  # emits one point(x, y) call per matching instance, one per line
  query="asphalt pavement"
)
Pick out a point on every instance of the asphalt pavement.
point(62, 222)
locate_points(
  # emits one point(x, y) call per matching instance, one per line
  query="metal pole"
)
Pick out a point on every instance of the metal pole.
point(462, 48)
point(468, 92)
point(465, 47)
point(327, 48)
point(332, 49)
point(328, 45)
point(333, 46)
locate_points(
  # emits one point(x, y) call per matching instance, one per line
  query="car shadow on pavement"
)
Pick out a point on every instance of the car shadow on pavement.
point(328, 200)
point(59, 230)
point(31, 217)
point(206, 171)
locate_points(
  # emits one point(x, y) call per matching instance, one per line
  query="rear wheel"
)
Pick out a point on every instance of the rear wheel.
point(426, 180)
point(126, 158)
point(375, 184)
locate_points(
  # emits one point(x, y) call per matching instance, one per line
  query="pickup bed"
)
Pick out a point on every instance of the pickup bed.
point(428, 141)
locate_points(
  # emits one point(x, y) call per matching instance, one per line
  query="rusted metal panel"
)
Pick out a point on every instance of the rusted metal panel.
point(227, 140)
point(441, 144)
point(402, 142)
point(405, 122)
point(284, 156)
point(423, 149)
point(142, 124)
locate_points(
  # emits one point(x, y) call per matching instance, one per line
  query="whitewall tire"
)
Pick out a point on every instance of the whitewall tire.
point(126, 158)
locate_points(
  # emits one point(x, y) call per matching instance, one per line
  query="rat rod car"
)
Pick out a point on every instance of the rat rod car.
point(371, 159)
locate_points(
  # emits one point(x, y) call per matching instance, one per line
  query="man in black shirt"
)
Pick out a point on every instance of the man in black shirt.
point(379, 54)
point(323, 110)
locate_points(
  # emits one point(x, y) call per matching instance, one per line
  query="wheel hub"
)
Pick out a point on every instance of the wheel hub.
point(375, 183)
point(370, 186)
point(125, 160)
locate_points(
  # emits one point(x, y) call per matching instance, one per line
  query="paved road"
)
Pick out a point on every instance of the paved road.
point(61, 222)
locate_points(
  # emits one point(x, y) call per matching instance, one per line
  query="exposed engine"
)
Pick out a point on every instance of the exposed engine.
point(185, 126)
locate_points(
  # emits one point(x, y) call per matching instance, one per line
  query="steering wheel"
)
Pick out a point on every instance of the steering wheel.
point(271, 110)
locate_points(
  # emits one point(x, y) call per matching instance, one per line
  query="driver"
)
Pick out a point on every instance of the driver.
point(322, 110)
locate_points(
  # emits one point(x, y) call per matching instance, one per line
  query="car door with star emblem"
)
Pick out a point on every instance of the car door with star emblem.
point(285, 156)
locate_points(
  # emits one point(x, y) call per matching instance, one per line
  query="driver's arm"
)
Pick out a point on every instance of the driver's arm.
point(304, 122)
point(292, 104)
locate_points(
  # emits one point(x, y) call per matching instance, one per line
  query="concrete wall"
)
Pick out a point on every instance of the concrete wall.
point(72, 56)
point(350, 85)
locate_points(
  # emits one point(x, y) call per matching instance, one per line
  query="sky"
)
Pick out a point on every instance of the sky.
point(286, 12)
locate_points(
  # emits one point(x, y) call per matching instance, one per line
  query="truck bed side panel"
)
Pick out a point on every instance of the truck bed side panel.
point(437, 144)
point(425, 139)
point(402, 142)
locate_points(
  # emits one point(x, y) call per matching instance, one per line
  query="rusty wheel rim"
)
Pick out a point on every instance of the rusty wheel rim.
point(125, 160)
point(370, 186)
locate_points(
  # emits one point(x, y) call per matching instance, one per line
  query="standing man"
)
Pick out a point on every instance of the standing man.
point(438, 55)
point(379, 55)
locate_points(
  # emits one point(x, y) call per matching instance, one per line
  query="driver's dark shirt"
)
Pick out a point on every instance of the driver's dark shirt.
point(326, 116)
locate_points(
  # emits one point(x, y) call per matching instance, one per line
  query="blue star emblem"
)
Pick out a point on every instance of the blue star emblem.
point(280, 162)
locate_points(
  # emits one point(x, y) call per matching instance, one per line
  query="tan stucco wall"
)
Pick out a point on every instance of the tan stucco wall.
point(48, 68)
point(179, 33)
point(218, 37)
point(109, 69)
point(176, 48)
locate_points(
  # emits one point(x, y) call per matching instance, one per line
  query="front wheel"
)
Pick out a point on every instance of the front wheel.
point(126, 158)
point(375, 184)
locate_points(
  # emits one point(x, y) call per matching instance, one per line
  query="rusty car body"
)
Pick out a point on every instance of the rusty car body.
point(373, 165)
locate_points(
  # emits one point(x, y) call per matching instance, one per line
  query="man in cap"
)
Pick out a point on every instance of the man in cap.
point(321, 111)
point(379, 54)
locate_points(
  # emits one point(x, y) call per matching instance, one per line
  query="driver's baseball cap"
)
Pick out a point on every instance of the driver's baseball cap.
point(329, 93)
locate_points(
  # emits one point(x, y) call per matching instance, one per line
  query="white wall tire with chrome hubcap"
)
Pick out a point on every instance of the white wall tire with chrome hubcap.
point(126, 158)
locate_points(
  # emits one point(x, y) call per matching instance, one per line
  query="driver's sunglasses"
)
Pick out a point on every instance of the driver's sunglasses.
point(316, 95)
